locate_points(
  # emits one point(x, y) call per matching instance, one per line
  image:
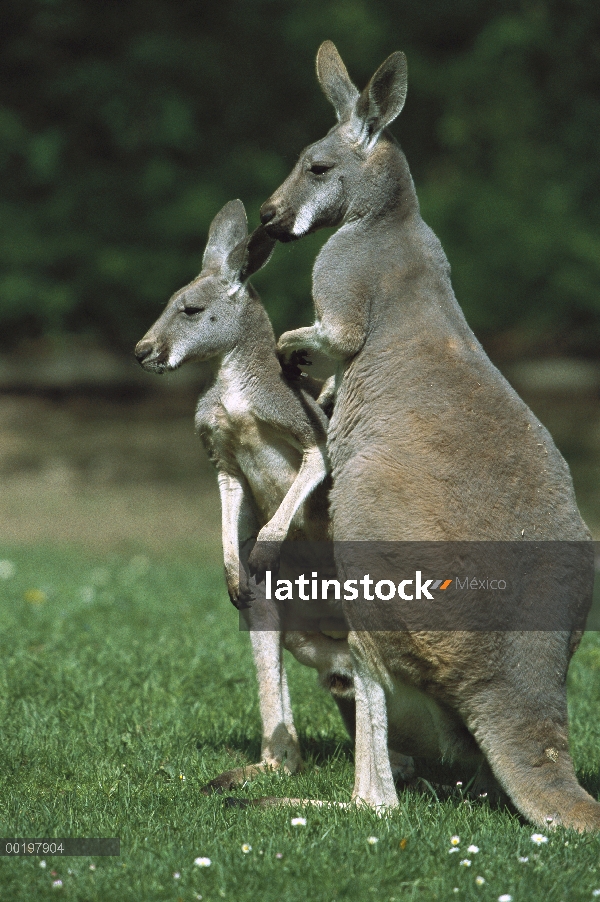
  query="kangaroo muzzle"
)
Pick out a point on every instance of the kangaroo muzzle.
point(143, 349)
point(267, 213)
point(149, 356)
point(278, 224)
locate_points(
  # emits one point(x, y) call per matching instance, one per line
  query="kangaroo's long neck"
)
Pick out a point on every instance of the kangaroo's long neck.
point(386, 190)
point(254, 353)
point(384, 274)
point(384, 249)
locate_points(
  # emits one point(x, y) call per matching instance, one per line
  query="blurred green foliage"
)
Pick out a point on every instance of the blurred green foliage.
point(125, 126)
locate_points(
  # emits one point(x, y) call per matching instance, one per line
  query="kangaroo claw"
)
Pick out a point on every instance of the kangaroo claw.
point(291, 363)
point(264, 556)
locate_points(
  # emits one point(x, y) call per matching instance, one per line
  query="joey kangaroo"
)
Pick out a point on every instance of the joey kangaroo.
point(427, 442)
point(266, 437)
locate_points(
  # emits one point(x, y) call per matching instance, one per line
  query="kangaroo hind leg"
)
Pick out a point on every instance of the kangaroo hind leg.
point(279, 746)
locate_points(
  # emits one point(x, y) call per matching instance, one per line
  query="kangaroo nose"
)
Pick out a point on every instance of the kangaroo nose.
point(267, 213)
point(143, 349)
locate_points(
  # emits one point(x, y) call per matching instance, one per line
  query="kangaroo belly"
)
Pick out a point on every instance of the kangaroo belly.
point(453, 454)
point(270, 467)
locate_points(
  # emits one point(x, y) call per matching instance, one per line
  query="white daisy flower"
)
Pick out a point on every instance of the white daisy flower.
point(465, 863)
point(539, 839)
point(505, 897)
point(176, 875)
point(246, 848)
point(454, 840)
point(298, 822)
point(202, 862)
point(372, 840)
point(479, 881)
point(453, 849)
point(7, 569)
point(473, 849)
point(42, 864)
point(523, 859)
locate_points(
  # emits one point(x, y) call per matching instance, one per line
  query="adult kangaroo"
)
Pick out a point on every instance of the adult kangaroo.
point(427, 442)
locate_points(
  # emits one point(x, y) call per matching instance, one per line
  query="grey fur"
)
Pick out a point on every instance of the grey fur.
point(427, 442)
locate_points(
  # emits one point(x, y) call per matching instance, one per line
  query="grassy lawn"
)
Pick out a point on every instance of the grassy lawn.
point(120, 676)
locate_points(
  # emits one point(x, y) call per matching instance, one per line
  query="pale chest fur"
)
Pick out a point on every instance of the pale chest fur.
point(240, 443)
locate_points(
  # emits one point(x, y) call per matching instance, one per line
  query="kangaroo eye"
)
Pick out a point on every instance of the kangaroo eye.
point(319, 168)
point(191, 311)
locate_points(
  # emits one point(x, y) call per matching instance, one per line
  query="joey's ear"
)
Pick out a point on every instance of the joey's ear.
point(249, 256)
point(383, 98)
point(259, 248)
point(335, 81)
point(227, 229)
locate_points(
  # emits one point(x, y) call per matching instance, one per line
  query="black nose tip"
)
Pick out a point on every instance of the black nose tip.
point(267, 213)
point(142, 350)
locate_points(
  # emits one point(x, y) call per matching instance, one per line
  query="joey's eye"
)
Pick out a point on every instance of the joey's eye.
point(319, 168)
point(191, 311)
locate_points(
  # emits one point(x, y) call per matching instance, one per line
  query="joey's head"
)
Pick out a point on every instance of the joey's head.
point(207, 318)
point(347, 174)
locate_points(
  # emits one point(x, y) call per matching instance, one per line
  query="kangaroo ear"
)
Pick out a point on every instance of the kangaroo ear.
point(383, 98)
point(259, 248)
point(227, 229)
point(248, 257)
point(335, 81)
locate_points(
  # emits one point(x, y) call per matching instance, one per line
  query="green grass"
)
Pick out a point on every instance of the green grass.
point(119, 674)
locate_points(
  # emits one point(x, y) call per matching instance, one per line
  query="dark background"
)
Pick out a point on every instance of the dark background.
point(126, 125)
